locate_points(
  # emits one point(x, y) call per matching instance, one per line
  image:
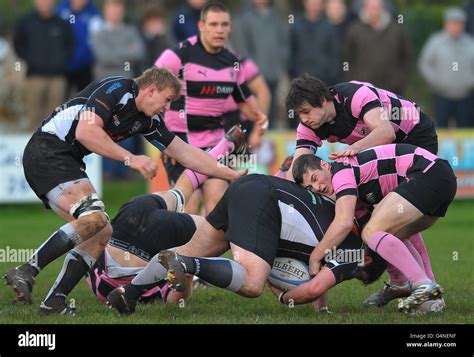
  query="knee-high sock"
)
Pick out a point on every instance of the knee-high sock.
point(60, 242)
point(221, 272)
point(395, 252)
point(396, 276)
point(222, 148)
point(152, 275)
point(419, 244)
point(76, 264)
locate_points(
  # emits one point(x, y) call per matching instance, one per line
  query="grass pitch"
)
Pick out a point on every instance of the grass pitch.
point(450, 243)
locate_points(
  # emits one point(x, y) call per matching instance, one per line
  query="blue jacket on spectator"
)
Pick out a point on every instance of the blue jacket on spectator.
point(85, 22)
point(185, 23)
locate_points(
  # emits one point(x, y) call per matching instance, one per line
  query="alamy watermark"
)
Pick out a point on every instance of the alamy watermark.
point(14, 255)
point(248, 161)
point(342, 256)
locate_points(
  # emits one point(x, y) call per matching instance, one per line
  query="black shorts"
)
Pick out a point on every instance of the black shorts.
point(249, 214)
point(144, 227)
point(430, 192)
point(48, 162)
point(424, 135)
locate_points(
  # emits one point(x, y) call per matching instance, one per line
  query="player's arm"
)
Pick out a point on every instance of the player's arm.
point(381, 133)
point(90, 133)
point(309, 291)
point(307, 142)
point(260, 90)
point(198, 160)
point(336, 232)
point(250, 109)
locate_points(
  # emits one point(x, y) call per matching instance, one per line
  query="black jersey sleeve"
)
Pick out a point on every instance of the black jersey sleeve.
point(158, 134)
point(109, 96)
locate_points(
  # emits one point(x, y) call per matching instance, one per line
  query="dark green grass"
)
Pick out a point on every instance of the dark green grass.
point(450, 243)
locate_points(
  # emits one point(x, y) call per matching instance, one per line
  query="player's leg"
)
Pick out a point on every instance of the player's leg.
point(189, 181)
point(70, 235)
point(212, 191)
point(392, 214)
point(245, 275)
point(172, 229)
point(93, 230)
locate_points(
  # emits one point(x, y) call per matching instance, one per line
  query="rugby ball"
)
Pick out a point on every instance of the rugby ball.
point(288, 273)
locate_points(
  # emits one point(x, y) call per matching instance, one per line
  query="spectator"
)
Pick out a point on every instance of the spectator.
point(447, 64)
point(186, 20)
point(340, 18)
point(470, 17)
point(261, 34)
point(45, 42)
point(11, 106)
point(313, 44)
point(117, 47)
point(85, 19)
point(377, 49)
point(153, 33)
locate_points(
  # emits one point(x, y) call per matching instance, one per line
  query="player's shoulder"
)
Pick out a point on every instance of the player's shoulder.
point(340, 164)
point(229, 56)
point(116, 85)
point(184, 48)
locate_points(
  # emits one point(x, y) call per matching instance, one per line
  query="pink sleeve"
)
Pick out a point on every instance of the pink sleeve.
point(305, 137)
point(251, 69)
point(170, 60)
point(343, 180)
point(363, 100)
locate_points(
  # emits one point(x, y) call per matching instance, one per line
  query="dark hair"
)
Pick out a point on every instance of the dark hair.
point(214, 7)
point(307, 88)
point(370, 272)
point(302, 164)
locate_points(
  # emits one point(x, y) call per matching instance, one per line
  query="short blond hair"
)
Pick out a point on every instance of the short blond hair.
point(161, 77)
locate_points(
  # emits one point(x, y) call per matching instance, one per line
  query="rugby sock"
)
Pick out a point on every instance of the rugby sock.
point(221, 272)
point(396, 276)
point(419, 244)
point(148, 278)
point(76, 264)
point(223, 147)
point(57, 244)
point(395, 252)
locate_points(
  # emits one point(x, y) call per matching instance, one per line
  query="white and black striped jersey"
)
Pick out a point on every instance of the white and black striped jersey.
point(113, 100)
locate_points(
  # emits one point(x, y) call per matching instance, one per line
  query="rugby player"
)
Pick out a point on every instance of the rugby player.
point(259, 218)
point(102, 114)
point(412, 188)
point(209, 74)
point(362, 116)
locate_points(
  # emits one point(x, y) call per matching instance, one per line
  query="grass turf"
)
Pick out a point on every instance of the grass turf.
point(450, 242)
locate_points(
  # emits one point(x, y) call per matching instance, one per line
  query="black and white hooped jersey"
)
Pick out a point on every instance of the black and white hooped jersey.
point(113, 100)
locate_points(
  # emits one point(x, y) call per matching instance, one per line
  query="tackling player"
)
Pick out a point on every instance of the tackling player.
point(363, 116)
point(412, 189)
